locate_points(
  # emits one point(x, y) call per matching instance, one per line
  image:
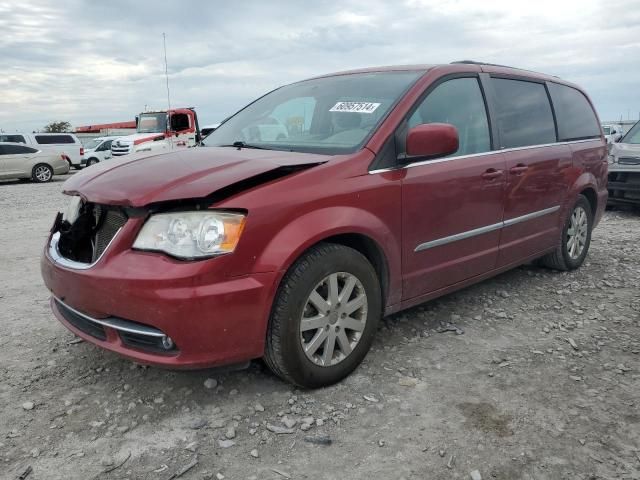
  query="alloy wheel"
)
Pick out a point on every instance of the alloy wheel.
point(577, 233)
point(333, 319)
point(43, 173)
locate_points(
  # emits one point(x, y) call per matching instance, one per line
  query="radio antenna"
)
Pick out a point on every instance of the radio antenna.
point(166, 69)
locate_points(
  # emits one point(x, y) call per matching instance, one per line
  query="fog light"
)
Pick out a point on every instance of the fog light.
point(167, 343)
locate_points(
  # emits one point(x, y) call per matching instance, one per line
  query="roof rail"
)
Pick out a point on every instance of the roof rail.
point(473, 62)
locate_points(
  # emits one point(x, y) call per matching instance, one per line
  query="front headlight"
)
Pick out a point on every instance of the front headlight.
point(191, 234)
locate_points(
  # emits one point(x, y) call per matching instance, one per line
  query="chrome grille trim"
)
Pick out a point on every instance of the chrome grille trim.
point(57, 257)
point(116, 323)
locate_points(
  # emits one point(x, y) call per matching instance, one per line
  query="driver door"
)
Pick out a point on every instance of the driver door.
point(452, 207)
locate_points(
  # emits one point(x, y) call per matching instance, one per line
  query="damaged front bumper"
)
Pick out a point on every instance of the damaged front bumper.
point(158, 310)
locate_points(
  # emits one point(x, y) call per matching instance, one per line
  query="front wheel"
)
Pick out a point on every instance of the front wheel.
point(576, 238)
point(42, 173)
point(92, 161)
point(324, 316)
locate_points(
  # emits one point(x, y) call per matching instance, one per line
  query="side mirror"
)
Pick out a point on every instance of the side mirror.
point(432, 140)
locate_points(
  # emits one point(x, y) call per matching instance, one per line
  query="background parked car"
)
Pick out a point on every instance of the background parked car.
point(97, 150)
point(21, 161)
point(66, 144)
point(624, 169)
point(612, 133)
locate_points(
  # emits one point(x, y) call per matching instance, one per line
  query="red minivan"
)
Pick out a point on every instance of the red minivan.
point(321, 207)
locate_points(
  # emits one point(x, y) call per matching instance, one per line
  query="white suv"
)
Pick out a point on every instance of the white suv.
point(97, 150)
point(65, 144)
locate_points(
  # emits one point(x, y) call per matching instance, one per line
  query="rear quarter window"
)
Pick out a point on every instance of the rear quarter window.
point(17, 149)
point(54, 139)
point(576, 118)
point(524, 113)
point(12, 138)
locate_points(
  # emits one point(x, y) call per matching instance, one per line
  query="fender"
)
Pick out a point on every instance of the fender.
point(584, 181)
point(307, 230)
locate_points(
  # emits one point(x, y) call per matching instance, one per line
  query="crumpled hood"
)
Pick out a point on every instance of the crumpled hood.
point(137, 180)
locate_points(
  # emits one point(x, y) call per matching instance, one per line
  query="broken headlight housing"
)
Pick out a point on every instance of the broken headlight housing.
point(191, 235)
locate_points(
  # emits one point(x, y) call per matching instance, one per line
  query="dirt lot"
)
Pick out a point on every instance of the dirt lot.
point(544, 383)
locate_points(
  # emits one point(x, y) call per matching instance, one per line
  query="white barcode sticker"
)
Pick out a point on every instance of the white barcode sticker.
point(355, 107)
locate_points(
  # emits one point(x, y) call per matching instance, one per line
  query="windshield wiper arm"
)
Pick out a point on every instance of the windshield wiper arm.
point(239, 144)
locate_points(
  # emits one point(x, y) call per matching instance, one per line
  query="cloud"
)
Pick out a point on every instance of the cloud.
point(93, 62)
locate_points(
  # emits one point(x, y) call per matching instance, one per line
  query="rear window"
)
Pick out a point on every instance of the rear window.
point(12, 138)
point(17, 149)
point(524, 113)
point(54, 139)
point(576, 118)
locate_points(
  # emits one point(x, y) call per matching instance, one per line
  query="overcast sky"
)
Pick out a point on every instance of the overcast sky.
point(96, 62)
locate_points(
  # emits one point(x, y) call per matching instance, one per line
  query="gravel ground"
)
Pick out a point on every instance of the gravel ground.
point(540, 382)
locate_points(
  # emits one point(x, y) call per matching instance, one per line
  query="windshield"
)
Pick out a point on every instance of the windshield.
point(329, 115)
point(93, 143)
point(633, 135)
point(152, 123)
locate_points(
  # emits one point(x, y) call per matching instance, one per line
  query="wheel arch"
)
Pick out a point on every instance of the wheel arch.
point(585, 185)
point(370, 249)
point(349, 226)
point(591, 195)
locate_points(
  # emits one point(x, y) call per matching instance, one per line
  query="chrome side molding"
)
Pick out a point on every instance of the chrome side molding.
point(486, 229)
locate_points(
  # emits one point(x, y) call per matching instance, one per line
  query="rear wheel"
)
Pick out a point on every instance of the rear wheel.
point(42, 173)
point(324, 316)
point(576, 238)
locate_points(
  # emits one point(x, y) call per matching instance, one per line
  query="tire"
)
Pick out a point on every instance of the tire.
point(567, 256)
point(92, 161)
point(312, 276)
point(42, 173)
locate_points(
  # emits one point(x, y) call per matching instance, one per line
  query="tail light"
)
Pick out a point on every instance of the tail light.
point(81, 151)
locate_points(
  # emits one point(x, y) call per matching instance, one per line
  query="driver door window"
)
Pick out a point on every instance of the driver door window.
point(458, 102)
point(179, 122)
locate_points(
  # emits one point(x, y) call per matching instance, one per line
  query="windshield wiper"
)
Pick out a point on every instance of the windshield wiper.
point(239, 144)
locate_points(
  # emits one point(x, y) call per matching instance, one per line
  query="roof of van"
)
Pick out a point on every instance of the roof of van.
point(453, 67)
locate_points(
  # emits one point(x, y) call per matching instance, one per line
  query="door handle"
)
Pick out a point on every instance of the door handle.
point(491, 174)
point(518, 169)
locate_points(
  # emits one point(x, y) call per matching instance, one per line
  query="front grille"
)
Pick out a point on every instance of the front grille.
point(86, 239)
point(113, 221)
point(117, 151)
point(629, 160)
point(94, 329)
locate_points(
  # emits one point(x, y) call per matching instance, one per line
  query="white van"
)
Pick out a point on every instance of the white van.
point(97, 150)
point(66, 144)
